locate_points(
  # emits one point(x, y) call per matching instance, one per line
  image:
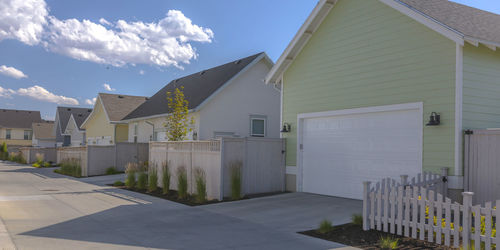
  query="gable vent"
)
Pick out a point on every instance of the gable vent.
point(120, 96)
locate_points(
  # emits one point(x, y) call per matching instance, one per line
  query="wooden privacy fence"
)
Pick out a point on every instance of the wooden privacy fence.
point(419, 212)
point(79, 154)
point(261, 162)
point(29, 154)
point(482, 164)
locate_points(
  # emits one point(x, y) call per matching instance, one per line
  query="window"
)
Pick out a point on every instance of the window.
point(258, 126)
point(136, 130)
point(8, 134)
point(27, 134)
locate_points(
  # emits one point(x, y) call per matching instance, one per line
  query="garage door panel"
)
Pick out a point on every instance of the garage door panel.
point(340, 152)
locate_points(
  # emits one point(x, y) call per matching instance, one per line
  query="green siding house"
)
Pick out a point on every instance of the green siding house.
point(361, 79)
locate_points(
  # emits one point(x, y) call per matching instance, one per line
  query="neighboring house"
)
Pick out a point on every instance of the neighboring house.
point(43, 134)
point(63, 115)
point(73, 130)
point(361, 79)
point(227, 100)
point(15, 126)
point(104, 126)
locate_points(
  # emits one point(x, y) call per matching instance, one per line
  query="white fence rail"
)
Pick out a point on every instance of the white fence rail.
point(419, 212)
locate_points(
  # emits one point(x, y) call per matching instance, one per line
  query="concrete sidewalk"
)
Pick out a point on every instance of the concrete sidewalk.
point(43, 210)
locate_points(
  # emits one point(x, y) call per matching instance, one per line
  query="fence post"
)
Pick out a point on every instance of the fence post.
point(444, 174)
point(466, 218)
point(404, 180)
point(366, 204)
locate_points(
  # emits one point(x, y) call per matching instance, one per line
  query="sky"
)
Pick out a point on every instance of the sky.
point(64, 52)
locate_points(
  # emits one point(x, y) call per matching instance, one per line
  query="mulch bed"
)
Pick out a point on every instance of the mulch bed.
point(190, 200)
point(353, 235)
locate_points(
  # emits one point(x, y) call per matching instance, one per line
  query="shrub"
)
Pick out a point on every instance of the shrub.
point(4, 153)
point(111, 170)
point(235, 168)
point(142, 180)
point(357, 219)
point(130, 169)
point(388, 243)
point(70, 167)
point(118, 184)
point(165, 178)
point(201, 185)
point(325, 227)
point(47, 164)
point(182, 182)
point(36, 165)
point(153, 179)
point(17, 157)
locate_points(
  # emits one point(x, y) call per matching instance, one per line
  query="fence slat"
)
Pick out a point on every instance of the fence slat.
point(379, 210)
point(439, 217)
point(430, 221)
point(447, 217)
point(392, 211)
point(386, 211)
point(414, 220)
point(497, 223)
point(476, 210)
point(487, 225)
point(406, 221)
point(372, 209)
point(423, 196)
point(456, 225)
point(399, 205)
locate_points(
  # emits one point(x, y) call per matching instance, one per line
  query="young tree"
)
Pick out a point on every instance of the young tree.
point(178, 122)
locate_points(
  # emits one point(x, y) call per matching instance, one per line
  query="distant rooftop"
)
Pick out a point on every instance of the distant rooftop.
point(11, 118)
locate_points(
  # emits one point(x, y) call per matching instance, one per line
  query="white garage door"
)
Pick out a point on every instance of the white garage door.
point(341, 151)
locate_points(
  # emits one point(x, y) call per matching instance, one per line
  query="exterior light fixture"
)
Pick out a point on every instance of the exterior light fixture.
point(286, 128)
point(434, 120)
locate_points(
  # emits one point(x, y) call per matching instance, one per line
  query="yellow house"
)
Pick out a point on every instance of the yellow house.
point(15, 126)
point(104, 126)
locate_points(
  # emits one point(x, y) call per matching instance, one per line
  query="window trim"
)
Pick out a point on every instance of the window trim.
point(8, 134)
point(261, 118)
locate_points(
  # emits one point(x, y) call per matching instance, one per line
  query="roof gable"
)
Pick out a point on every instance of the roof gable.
point(11, 118)
point(64, 113)
point(455, 21)
point(43, 130)
point(117, 107)
point(198, 87)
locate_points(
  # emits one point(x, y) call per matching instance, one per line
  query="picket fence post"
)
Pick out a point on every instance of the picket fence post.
point(444, 174)
point(466, 219)
point(366, 204)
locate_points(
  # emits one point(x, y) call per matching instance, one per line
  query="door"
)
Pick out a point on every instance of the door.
point(341, 150)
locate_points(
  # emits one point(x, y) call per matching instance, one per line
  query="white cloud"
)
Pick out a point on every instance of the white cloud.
point(12, 72)
point(142, 72)
point(6, 93)
point(108, 87)
point(166, 42)
point(23, 20)
point(40, 93)
point(90, 102)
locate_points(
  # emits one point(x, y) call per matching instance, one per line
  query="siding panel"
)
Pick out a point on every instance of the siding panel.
point(367, 54)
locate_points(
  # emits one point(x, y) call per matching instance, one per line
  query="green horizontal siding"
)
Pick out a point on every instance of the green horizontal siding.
point(481, 94)
point(367, 54)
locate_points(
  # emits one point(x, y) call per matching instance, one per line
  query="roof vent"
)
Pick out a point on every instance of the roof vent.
point(202, 73)
point(69, 109)
point(120, 96)
point(237, 62)
point(80, 115)
point(89, 110)
point(147, 98)
point(176, 80)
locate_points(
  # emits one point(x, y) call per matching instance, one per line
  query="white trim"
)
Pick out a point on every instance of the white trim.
point(373, 109)
point(98, 100)
point(426, 20)
point(459, 84)
point(264, 119)
point(292, 170)
point(281, 105)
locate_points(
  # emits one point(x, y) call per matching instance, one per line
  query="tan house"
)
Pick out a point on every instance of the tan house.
point(104, 126)
point(43, 134)
point(15, 126)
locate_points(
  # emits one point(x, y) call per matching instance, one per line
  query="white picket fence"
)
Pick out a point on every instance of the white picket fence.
point(417, 211)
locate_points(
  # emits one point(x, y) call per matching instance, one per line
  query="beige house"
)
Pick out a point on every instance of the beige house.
point(43, 134)
point(104, 126)
point(16, 126)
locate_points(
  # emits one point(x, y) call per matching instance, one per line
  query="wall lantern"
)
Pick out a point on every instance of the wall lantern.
point(434, 120)
point(286, 128)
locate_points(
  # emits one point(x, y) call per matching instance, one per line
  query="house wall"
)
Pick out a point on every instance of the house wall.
point(368, 54)
point(481, 92)
point(230, 110)
point(17, 137)
point(57, 130)
point(43, 143)
point(77, 136)
point(121, 132)
point(145, 130)
point(98, 125)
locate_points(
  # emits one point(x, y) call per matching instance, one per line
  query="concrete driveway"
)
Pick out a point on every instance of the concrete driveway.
point(43, 210)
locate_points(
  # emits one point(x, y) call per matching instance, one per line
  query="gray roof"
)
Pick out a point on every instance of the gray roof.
point(43, 130)
point(64, 114)
point(197, 87)
point(11, 118)
point(118, 106)
point(468, 21)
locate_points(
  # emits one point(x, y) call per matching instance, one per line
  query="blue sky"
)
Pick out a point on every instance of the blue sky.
point(219, 31)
